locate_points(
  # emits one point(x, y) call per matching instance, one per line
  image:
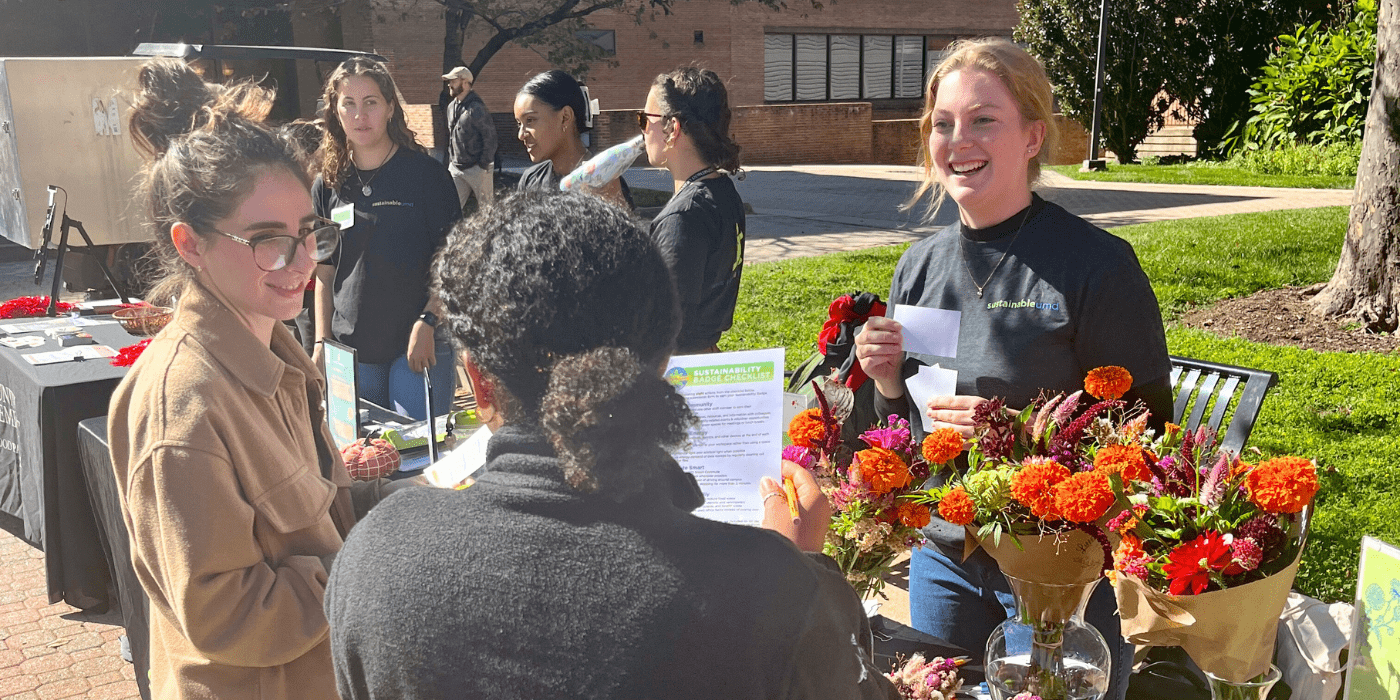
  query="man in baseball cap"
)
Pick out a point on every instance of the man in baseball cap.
point(471, 143)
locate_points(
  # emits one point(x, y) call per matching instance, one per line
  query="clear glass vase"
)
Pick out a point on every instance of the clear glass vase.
point(1046, 649)
point(1257, 689)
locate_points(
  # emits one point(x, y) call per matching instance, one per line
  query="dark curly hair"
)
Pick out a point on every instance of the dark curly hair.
point(565, 302)
point(699, 99)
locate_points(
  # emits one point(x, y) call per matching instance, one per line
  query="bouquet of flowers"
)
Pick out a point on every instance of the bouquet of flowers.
point(1048, 477)
point(874, 520)
point(1209, 548)
point(927, 679)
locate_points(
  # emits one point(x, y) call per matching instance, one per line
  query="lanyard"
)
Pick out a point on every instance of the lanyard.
point(700, 175)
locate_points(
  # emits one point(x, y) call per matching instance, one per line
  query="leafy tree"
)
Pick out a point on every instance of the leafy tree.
point(1142, 60)
point(1228, 42)
point(1315, 88)
point(1366, 286)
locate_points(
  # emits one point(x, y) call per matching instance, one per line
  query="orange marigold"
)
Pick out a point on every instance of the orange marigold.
point(1127, 460)
point(806, 428)
point(957, 507)
point(914, 515)
point(1282, 484)
point(1083, 497)
point(942, 445)
point(1034, 486)
point(1108, 383)
point(883, 469)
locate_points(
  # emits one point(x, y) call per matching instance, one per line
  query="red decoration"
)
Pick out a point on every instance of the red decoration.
point(367, 462)
point(126, 357)
point(29, 307)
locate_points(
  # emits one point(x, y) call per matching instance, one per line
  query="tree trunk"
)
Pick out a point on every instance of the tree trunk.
point(1366, 285)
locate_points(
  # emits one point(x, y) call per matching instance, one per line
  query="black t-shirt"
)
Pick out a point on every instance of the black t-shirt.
point(701, 234)
point(541, 177)
point(1067, 298)
point(381, 276)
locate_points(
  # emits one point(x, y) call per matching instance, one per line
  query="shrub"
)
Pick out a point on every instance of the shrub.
point(1316, 87)
point(1326, 159)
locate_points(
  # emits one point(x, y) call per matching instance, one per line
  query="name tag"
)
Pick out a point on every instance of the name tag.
point(344, 215)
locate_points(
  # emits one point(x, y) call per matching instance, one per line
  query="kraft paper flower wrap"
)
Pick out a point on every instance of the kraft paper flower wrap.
point(1059, 560)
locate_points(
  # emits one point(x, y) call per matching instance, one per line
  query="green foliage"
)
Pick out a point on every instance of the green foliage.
point(1327, 159)
point(1316, 88)
point(1206, 172)
point(1338, 408)
point(1143, 58)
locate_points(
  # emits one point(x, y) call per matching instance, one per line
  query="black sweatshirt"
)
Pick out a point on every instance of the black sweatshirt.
point(522, 587)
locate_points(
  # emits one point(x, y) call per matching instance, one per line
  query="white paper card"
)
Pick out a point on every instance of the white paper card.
point(738, 397)
point(794, 404)
point(81, 352)
point(927, 383)
point(929, 331)
point(463, 461)
point(23, 341)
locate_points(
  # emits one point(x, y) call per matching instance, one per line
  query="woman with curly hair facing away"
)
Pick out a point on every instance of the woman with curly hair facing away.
point(395, 204)
point(1043, 295)
point(552, 113)
point(701, 230)
point(233, 496)
point(573, 567)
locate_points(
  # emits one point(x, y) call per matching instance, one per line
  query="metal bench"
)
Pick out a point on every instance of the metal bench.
point(1200, 386)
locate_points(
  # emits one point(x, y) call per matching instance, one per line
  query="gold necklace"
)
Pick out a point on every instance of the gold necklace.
point(962, 246)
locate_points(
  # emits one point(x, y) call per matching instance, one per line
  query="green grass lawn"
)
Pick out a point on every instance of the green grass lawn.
point(1337, 408)
point(1204, 173)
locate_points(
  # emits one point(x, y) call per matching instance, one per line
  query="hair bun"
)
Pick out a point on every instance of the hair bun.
point(604, 404)
point(173, 101)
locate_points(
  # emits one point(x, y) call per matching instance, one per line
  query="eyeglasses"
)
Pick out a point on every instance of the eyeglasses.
point(272, 253)
point(643, 119)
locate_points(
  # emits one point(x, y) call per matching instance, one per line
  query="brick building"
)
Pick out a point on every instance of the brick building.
point(798, 68)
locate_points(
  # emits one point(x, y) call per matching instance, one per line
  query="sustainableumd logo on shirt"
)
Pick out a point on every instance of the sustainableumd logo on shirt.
point(1024, 304)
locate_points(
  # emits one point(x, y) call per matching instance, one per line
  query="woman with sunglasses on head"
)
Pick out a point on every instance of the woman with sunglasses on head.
point(234, 498)
point(1043, 297)
point(394, 203)
point(701, 230)
point(553, 111)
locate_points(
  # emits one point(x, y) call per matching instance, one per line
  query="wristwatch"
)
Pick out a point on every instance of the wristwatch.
point(429, 318)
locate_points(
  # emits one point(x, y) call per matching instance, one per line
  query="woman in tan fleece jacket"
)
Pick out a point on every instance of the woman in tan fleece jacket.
point(234, 499)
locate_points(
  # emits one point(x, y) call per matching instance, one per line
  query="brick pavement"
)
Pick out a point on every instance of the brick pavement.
point(56, 651)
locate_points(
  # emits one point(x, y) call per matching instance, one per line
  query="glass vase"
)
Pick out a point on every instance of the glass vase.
point(1257, 689)
point(1046, 649)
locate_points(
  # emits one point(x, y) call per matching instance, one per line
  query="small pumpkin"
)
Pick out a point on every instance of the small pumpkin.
point(367, 460)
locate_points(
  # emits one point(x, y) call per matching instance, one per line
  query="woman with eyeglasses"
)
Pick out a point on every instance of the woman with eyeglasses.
point(552, 113)
point(234, 498)
point(701, 230)
point(394, 204)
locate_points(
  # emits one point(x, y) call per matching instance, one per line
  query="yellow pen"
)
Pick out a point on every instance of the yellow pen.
point(790, 489)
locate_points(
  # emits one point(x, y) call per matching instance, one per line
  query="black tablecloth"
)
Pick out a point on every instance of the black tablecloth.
point(107, 509)
point(40, 477)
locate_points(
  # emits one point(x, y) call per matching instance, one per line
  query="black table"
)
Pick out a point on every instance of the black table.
point(41, 479)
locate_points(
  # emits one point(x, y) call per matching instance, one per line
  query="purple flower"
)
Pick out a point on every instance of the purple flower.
point(849, 493)
point(1265, 532)
point(1247, 553)
point(894, 437)
point(801, 455)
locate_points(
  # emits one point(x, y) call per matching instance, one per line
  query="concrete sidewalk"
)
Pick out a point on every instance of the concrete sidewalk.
point(55, 651)
point(815, 209)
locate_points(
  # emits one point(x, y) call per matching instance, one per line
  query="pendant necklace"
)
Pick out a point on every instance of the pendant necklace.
point(962, 246)
point(365, 189)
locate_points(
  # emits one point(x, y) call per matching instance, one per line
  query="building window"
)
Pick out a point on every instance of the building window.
point(908, 66)
point(810, 58)
point(877, 52)
point(844, 67)
point(699, 36)
point(777, 67)
point(605, 39)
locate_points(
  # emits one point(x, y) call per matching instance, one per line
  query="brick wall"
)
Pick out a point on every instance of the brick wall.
point(804, 133)
point(409, 33)
point(895, 141)
point(420, 120)
point(1074, 142)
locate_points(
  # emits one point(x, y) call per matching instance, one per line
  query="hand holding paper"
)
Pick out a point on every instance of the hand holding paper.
point(928, 331)
point(928, 383)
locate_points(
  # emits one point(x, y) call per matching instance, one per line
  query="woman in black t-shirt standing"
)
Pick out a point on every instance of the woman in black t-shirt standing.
point(552, 112)
point(394, 203)
point(701, 230)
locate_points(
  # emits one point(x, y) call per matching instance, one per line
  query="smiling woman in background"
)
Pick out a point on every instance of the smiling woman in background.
point(394, 203)
point(553, 111)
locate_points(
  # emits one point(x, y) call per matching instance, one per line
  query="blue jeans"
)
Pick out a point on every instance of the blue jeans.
point(962, 601)
point(395, 387)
